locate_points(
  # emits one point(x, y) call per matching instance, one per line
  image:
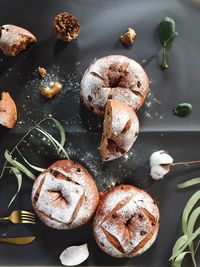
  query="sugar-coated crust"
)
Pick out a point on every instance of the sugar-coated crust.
point(14, 39)
point(121, 128)
point(8, 111)
point(114, 77)
point(126, 222)
point(65, 196)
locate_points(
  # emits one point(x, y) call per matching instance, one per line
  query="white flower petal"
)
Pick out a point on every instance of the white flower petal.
point(74, 255)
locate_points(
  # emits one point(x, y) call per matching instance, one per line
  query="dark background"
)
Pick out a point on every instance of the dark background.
point(102, 22)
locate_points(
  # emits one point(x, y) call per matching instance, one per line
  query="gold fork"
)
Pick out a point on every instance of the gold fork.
point(20, 216)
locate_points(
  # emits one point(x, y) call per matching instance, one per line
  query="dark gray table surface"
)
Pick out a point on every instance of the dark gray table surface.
point(102, 22)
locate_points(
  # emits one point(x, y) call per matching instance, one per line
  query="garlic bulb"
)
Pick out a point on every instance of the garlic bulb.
point(74, 255)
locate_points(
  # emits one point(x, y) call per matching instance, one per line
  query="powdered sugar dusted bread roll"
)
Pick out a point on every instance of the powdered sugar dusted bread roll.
point(65, 195)
point(114, 77)
point(126, 221)
point(14, 39)
point(8, 111)
point(120, 130)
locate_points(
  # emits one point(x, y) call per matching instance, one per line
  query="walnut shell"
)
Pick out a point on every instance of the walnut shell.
point(66, 27)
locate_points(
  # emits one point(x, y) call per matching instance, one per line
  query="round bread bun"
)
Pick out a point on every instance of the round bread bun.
point(8, 111)
point(65, 196)
point(114, 77)
point(126, 221)
point(120, 130)
point(14, 39)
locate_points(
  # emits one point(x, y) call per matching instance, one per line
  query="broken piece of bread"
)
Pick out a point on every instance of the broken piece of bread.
point(120, 130)
point(8, 111)
point(14, 39)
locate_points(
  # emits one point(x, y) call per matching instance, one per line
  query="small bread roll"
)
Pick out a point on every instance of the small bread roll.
point(14, 39)
point(114, 77)
point(8, 111)
point(120, 130)
point(65, 196)
point(126, 221)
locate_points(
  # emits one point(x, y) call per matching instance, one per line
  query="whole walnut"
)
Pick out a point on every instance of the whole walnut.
point(66, 27)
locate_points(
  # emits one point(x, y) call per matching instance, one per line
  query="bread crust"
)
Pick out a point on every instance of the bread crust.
point(126, 221)
point(8, 111)
point(14, 39)
point(120, 130)
point(65, 196)
point(114, 77)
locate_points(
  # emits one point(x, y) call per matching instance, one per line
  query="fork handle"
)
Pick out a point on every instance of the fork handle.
point(4, 218)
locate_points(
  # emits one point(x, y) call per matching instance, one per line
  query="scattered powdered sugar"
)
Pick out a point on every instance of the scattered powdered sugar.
point(148, 108)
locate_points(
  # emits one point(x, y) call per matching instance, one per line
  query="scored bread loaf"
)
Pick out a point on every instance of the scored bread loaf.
point(126, 222)
point(65, 196)
point(114, 77)
point(120, 130)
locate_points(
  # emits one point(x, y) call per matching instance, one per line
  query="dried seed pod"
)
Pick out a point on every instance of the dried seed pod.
point(128, 37)
point(66, 27)
point(50, 92)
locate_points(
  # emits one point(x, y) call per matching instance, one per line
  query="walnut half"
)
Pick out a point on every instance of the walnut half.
point(50, 92)
point(128, 37)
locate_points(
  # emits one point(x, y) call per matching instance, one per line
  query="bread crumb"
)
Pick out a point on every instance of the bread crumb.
point(42, 71)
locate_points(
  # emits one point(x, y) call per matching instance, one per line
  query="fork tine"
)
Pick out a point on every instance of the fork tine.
point(26, 221)
point(27, 218)
point(27, 215)
point(27, 212)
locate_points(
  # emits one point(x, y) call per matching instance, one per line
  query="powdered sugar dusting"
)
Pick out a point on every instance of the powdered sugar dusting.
point(68, 202)
point(119, 206)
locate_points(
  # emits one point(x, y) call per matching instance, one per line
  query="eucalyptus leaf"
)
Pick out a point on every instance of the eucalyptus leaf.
point(18, 175)
point(32, 166)
point(183, 109)
point(57, 145)
point(17, 164)
point(190, 228)
point(189, 183)
point(166, 28)
point(188, 208)
point(179, 259)
point(194, 235)
point(197, 246)
point(170, 40)
point(167, 34)
point(62, 132)
point(178, 245)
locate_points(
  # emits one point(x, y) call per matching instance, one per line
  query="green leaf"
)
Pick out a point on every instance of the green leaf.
point(166, 31)
point(53, 140)
point(190, 228)
point(18, 175)
point(194, 235)
point(179, 259)
point(182, 109)
point(18, 165)
point(32, 166)
point(188, 208)
point(197, 246)
point(178, 245)
point(189, 183)
point(62, 132)
point(170, 40)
